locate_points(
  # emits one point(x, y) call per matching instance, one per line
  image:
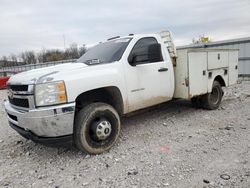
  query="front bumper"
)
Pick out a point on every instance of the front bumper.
point(46, 122)
point(49, 141)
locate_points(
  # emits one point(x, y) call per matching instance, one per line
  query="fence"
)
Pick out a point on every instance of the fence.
point(22, 68)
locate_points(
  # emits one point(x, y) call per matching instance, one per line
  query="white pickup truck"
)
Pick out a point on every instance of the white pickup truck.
point(82, 102)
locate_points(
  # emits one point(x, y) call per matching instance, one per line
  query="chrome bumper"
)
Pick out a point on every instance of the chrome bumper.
point(51, 121)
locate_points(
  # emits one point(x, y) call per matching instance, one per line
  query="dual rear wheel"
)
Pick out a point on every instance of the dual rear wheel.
point(210, 101)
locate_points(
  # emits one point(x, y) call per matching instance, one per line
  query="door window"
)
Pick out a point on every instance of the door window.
point(141, 48)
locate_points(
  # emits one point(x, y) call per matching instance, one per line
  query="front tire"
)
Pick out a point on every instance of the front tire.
point(212, 101)
point(97, 128)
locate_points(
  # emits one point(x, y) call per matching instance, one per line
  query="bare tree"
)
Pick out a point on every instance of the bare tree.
point(13, 59)
point(54, 55)
point(41, 56)
point(72, 52)
point(82, 50)
point(4, 61)
point(29, 57)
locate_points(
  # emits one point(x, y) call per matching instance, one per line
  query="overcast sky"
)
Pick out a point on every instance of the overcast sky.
point(34, 24)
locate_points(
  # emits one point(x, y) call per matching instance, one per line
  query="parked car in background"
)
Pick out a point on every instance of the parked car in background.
point(4, 77)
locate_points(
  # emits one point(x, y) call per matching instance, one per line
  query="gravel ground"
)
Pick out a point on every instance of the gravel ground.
point(172, 145)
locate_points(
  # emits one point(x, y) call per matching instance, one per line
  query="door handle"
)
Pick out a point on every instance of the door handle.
point(162, 69)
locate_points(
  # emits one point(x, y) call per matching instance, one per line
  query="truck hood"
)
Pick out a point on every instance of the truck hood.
point(46, 74)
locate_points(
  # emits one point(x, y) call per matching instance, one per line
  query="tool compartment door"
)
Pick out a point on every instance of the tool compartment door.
point(233, 67)
point(217, 60)
point(197, 64)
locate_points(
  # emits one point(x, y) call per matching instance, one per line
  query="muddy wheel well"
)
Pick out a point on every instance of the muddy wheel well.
point(109, 95)
point(220, 80)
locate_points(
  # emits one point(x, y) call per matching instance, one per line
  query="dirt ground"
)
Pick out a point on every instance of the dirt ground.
point(172, 145)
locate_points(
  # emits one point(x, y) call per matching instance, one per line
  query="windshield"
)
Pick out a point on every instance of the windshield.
point(105, 52)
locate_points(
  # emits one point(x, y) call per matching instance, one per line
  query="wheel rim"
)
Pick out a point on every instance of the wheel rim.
point(215, 95)
point(103, 130)
point(100, 131)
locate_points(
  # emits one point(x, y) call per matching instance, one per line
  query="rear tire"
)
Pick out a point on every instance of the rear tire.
point(212, 101)
point(97, 128)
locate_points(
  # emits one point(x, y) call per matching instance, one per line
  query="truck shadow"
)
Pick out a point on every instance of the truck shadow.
point(162, 111)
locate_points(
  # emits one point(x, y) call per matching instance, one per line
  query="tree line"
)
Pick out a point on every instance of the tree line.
point(45, 55)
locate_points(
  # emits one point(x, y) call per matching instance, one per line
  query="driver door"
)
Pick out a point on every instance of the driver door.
point(151, 77)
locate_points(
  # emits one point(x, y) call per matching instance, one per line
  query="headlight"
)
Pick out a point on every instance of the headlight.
point(50, 93)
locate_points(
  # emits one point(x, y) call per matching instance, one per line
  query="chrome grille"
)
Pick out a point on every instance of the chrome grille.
point(18, 87)
point(20, 102)
point(21, 96)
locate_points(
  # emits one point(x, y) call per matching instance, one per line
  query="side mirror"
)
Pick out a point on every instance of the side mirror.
point(135, 59)
point(132, 60)
point(154, 53)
